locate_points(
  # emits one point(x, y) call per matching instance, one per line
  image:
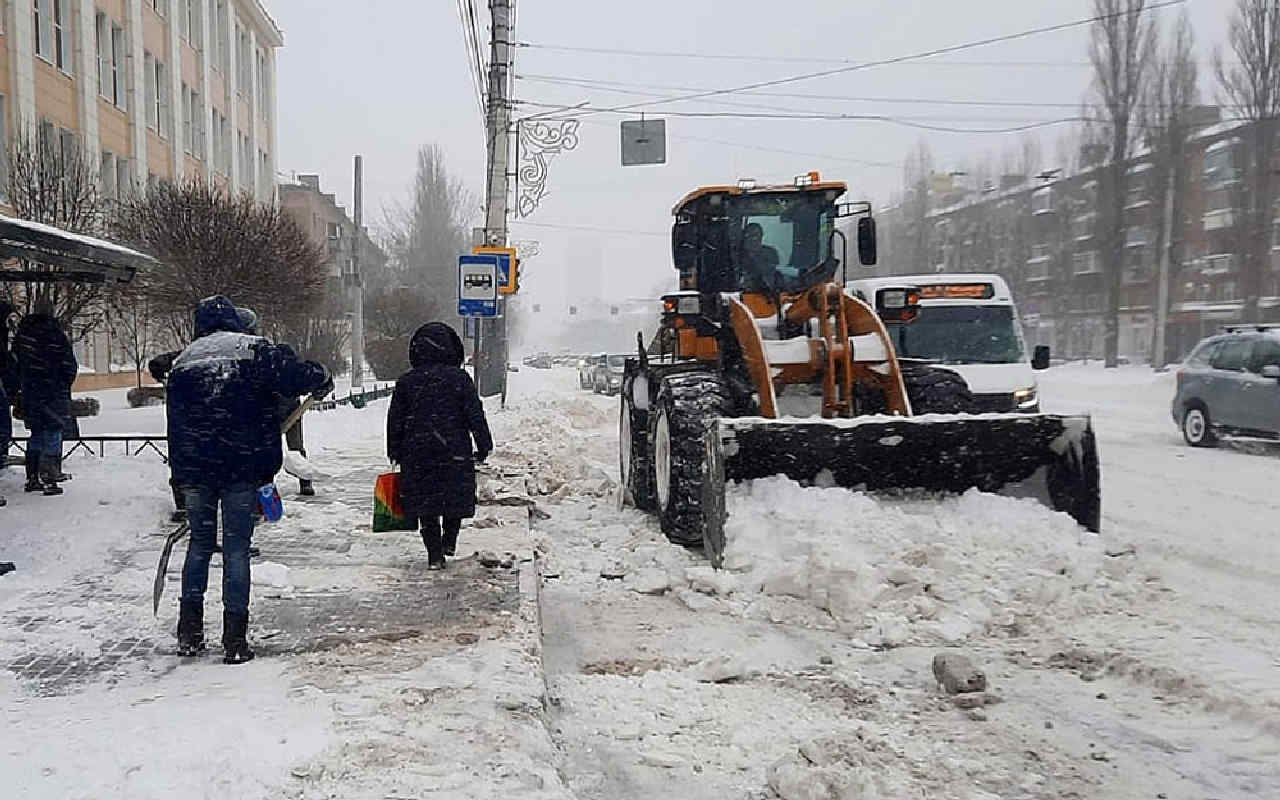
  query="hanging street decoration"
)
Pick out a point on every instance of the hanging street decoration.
point(537, 142)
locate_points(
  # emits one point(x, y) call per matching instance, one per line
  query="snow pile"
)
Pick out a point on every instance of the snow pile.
point(896, 571)
point(552, 441)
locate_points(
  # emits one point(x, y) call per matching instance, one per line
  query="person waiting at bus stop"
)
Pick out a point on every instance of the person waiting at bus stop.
point(46, 369)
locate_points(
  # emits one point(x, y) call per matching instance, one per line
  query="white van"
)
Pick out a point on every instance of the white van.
point(967, 323)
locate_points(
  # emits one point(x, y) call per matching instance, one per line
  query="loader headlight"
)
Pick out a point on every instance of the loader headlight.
point(893, 298)
point(682, 304)
point(1026, 398)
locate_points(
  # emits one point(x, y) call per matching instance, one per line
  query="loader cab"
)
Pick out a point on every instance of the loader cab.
point(770, 240)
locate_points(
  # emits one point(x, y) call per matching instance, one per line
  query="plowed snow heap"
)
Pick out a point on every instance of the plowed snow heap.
point(764, 364)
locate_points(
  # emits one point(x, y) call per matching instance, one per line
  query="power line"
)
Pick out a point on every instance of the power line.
point(770, 59)
point(888, 61)
point(466, 16)
point(587, 83)
point(588, 228)
point(829, 117)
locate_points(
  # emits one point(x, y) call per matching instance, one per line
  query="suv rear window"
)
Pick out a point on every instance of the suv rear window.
point(1201, 356)
point(1266, 351)
point(1232, 355)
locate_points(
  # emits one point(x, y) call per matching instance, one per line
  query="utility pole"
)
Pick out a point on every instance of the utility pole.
point(498, 124)
point(1162, 278)
point(357, 282)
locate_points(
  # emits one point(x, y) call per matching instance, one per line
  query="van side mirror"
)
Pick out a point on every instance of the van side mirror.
point(1041, 358)
point(867, 241)
point(1271, 371)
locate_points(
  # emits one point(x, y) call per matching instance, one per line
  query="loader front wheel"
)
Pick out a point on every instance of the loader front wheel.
point(686, 407)
point(935, 390)
point(634, 463)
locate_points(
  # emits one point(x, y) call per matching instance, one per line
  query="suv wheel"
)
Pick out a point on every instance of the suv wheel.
point(1196, 428)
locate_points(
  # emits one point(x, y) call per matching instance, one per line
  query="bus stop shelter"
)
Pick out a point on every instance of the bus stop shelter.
point(31, 252)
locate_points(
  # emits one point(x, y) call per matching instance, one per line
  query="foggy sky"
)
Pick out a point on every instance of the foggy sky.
point(382, 77)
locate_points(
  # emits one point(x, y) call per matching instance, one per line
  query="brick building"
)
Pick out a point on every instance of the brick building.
point(1042, 234)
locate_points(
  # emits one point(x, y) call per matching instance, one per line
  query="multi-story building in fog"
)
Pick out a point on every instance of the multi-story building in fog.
point(1043, 235)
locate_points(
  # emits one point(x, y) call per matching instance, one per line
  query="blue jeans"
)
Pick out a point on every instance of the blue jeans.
point(237, 533)
point(47, 442)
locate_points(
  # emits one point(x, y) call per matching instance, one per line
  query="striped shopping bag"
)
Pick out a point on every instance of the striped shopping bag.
point(387, 514)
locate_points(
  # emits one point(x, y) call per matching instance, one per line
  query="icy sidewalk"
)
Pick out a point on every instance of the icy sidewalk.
point(374, 678)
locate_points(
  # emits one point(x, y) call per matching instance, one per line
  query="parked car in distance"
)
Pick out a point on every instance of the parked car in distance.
point(587, 370)
point(1230, 386)
point(541, 361)
point(607, 378)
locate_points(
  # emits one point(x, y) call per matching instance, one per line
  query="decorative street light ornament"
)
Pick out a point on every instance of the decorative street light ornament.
point(538, 142)
point(527, 248)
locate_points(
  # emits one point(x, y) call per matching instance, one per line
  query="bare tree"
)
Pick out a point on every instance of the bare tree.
point(1123, 39)
point(916, 236)
point(55, 182)
point(210, 242)
point(393, 314)
point(425, 238)
point(1168, 113)
point(131, 323)
point(1251, 85)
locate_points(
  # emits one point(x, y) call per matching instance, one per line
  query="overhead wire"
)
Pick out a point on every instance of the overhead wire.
point(588, 228)
point(886, 61)
point(475, 61)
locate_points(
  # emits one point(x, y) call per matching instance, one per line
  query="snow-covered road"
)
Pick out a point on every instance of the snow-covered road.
point(1142, 663)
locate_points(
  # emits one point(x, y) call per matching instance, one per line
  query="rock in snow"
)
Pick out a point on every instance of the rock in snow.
point(956, 674)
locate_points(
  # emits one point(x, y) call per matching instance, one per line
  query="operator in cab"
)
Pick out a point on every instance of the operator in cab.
point(759, 260)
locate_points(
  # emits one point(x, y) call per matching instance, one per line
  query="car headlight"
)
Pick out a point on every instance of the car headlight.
point(1025, 398)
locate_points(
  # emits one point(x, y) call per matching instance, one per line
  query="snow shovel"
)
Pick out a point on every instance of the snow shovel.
point(295, 463)
point(157, 588)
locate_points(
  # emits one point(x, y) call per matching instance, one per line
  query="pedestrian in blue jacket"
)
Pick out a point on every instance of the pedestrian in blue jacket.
point(224, 443)
point(46, 369)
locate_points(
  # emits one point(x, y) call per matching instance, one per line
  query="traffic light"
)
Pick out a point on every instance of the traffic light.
point(573, 311)
point(613, 310)
point(537, 308)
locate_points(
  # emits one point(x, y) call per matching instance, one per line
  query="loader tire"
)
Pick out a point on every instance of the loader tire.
point(935, 390)
point(686, 406)
point(635, 465)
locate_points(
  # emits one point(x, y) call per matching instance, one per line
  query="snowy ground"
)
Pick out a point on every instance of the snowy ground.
point(1141, 663)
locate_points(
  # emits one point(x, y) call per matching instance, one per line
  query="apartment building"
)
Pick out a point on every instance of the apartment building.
point(1043, 235)
point(158, 89)
point(318, 213)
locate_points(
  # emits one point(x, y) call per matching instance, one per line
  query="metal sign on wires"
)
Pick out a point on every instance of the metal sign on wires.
point(644, 141)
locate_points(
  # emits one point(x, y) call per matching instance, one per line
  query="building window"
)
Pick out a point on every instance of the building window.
point(1219, 168)
point(4, 152)
point(193, 24)
point(107, 174)
point(160, 6)
point(109, 39)
point(157, 95)
point(222, 36)
point(124, 178)
point(1085, 263)
point(264, 86)
point(188, 130)
point(51, 20)
point(1042, 201)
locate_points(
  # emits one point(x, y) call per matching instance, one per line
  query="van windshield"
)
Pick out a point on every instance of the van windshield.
point(961, 335)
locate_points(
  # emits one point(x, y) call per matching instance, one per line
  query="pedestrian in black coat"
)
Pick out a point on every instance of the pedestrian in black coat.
point(434, 416)
point(46, 369)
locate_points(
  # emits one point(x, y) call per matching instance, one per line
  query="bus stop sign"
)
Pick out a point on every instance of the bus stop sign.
point(478, 286)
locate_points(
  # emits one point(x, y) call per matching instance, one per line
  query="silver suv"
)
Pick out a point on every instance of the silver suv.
point(1230, 385)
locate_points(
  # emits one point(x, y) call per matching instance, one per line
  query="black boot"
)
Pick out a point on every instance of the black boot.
point(306, 489)
point(450, 539)
point(235, 644)
point(435, 550)
point(190, 628)
point(50, 472)
point(32, 462)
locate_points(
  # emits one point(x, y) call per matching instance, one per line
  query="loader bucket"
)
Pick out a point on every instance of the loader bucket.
point(1051, 457)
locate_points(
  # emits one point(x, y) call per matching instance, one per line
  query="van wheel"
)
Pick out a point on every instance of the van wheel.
point(1196, 428)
